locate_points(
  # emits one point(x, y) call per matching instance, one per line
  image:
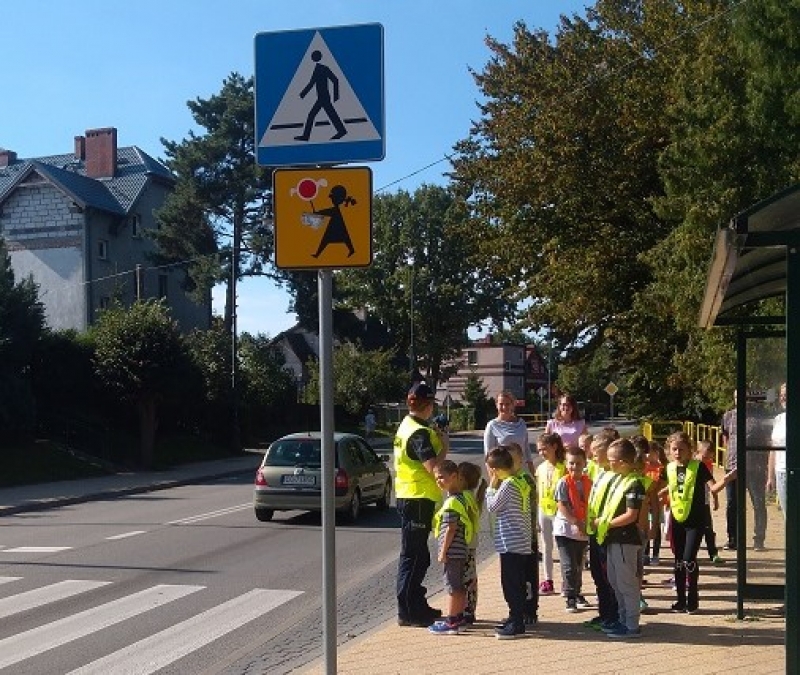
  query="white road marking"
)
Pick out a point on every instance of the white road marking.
point(37, 549)
point(6, 580)
point(125, 535)
point(49, 636)
point(211, 514)
point(45, 595)
point(159, 650)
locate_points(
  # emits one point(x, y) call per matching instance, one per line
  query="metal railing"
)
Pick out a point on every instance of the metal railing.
point(659, 430)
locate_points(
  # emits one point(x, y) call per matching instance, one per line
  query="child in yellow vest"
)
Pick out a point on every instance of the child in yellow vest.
point(474, 485)
point(618, 530)
point(548, 473)
point(454, 527)
point(507, 499)
point(531, 616)
point(686, 480)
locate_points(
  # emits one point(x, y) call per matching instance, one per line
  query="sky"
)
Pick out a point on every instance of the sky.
point(133, 65)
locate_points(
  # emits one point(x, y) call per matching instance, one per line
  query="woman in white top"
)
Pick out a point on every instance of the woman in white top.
point(777, 458)
point(508, 428)
point(567, 422)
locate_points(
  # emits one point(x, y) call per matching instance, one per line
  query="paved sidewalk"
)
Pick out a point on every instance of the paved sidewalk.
point(710, 641)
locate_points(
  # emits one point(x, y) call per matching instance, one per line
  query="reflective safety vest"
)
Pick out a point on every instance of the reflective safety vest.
point(524, 490)
point(546, 489)
point(473, 510)
point(457, 504)
point(680, 501)
point(597, 497)
point(593, 470)
point(412, 480)
point(612, 503)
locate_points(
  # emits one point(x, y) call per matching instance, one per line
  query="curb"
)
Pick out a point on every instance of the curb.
point(114, 493)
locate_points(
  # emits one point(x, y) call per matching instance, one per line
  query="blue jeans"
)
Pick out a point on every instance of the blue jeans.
point(416, 522)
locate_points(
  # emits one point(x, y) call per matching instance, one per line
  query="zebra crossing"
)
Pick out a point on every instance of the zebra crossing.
point(144, 656)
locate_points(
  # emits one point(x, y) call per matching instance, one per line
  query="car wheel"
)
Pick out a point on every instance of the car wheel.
point(353, 508)
point(264, 515)
point(386, 497)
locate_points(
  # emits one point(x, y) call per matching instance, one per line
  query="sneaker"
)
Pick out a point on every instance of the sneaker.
point(571, 606)
point(445, 627)
point(546, 587)
point(654, 561)
point(582, 602)
point(716, 560)
point(678, 607)
point(594, 623)
point(643, 606)
point(510, 631)
point(759, 546)
point(610, 626)
point(530, 619)
point(730, 546)
point(468, 618)
point(691, 609)
point(625, 633)
point(503, 623)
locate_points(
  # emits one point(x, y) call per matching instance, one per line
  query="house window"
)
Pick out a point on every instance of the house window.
point(136, 226)
point(507, 366)
point(102, 249)
point(163, 284)
point(472, 357)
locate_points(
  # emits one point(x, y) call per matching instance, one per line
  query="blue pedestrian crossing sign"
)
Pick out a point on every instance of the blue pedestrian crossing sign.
point(319, 96)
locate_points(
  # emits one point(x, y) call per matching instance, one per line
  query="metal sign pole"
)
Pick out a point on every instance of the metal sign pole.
point(325, 288)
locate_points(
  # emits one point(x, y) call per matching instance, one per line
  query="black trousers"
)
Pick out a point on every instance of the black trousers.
point(513, 577)
point(416, 522)
point(686, 543)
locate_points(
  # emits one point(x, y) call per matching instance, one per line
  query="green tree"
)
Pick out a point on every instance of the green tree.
point(267, 380)
point(561, 169)
point(22, 325)
point(476, 396)
point(360, 378)
point(427, 284)
point(140, 357)
point(221, 198)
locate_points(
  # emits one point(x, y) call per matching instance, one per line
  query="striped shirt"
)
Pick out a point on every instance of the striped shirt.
point(458, 547)
point(511, 528)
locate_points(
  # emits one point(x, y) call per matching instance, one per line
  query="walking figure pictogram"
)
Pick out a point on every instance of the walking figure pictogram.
point(319, 80)
point(336, 229)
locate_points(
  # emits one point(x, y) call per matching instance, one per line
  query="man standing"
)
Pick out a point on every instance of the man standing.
point(418, 448)
point(755, 480)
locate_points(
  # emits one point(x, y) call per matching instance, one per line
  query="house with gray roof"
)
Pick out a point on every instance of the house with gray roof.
point(77, 223)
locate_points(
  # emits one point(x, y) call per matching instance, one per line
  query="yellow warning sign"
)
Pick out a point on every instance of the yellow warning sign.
point(323, 217)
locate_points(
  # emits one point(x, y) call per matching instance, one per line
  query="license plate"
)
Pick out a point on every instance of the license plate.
point(299, 479)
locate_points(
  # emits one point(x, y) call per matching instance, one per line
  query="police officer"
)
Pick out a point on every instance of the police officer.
point(417, 449)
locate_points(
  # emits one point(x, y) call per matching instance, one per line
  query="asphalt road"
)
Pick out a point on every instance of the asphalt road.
point(187, 580)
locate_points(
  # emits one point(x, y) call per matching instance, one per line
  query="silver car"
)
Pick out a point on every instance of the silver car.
point(290, 476)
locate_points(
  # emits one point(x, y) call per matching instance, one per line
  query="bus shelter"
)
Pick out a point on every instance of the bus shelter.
point(757, 256)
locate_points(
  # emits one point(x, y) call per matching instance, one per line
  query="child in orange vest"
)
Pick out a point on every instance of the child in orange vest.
point(569, 527)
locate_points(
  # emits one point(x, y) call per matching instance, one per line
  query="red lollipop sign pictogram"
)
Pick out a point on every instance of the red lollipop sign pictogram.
point(308, 189)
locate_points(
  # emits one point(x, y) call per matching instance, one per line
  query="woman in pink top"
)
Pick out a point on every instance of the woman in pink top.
point(567, 422)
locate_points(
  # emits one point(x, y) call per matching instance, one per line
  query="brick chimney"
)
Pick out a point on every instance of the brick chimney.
point(101, 152)
point(80, 147)
point(7, 157)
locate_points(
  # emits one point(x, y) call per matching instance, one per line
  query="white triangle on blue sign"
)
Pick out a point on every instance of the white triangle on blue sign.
point(317, 112)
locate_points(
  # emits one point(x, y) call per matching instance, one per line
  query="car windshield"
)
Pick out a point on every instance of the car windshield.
point(294, 453)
